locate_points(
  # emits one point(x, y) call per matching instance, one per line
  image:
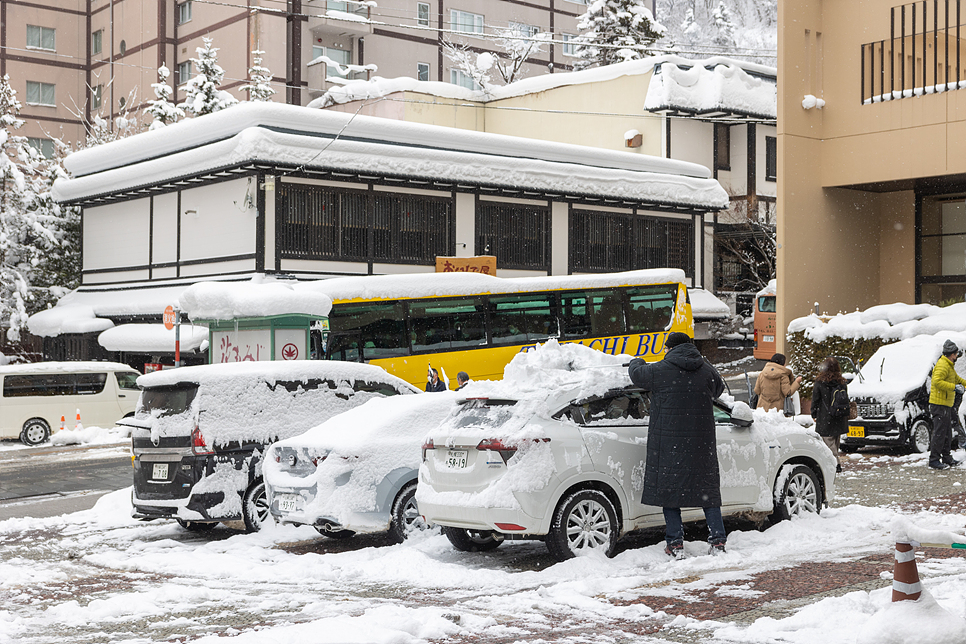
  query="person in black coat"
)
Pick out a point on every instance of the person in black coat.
point(433, 383)
point(682, 454)
point(829, 379)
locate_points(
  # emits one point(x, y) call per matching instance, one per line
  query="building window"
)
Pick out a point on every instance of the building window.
point(461, 78)
point(184, 12)
point(422, 14)
point(44, 146)
point(722, 146)
point(942, 246)
point(341, 56)
point(524, 29)
point(569, 47)
point(465, 22)
point(184, 72)
point(422, 71)
point(40, 93)
point(771, 158)
point(97, 94)
point(41, 38)
point(322, 223)
point(603, 242)
point(518, 235)
point(97, 42)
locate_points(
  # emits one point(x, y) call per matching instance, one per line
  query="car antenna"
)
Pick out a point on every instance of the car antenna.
point(881, 367)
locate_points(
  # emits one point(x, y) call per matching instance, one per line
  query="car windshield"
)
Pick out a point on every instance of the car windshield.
point(166, 401)
point(632, 407)
point(482, 412)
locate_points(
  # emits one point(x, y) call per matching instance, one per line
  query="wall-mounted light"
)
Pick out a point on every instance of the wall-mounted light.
point(633, 139)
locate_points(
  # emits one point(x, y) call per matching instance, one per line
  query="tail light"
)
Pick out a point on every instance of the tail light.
point(198, 445)
point(428, 445)
point(756, 338)
point(495, 445)
point(317, 459)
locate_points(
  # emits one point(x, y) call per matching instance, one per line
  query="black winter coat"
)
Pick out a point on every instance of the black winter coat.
point(825, 425)
point(682, 454)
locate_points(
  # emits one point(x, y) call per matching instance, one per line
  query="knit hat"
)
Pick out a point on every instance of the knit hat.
point(949, 348)
point(675, 338)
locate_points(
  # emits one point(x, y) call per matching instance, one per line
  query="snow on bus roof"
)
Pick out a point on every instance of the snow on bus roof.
point(771, 288)
point(63, 367)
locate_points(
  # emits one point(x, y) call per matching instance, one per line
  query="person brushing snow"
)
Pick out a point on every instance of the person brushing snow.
point(682, 455)
point(945, 384)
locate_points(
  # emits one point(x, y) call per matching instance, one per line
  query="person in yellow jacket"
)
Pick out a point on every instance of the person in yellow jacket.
point(945, 384)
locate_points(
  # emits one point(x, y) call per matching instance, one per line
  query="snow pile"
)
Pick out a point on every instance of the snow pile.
point(362, 447)
point(771, 288)
point(90, 436)
point(152, 338)
point(887, 321)
point(699, 90)
point(66, 319)
point(922, 621)
point(907, 532)
point(705, 306)
point(258, 298)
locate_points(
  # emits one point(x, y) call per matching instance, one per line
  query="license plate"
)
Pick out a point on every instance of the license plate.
point(767, 338)
point(456, 458)
point(160, 471)
point(856, 432)
point(287, 503)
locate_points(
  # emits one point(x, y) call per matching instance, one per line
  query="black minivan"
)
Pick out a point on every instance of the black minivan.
point(199, 433)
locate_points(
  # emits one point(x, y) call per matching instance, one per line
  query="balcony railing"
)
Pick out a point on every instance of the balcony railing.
point(924, 53)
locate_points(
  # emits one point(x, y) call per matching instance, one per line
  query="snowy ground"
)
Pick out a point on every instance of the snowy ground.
point(77, 436)
point(99, 576)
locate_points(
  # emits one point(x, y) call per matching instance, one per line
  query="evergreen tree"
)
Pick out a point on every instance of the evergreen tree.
point(162, 109)
point(259, 87)
point(35, 232)
point(724, 26)
point(613, 31)
point(202, 95)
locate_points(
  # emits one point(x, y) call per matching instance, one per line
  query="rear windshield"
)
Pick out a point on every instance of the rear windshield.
point(486, 413)
point(166, 401)
point(766, 304)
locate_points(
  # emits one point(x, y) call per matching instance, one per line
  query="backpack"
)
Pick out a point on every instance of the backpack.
point(839, 406)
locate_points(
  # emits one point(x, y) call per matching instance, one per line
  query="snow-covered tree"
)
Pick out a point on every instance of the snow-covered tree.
point(259, 77)
point(744, 29)
point(202, 95)
point(162, 108)
point(518, 45)
point(33, 229)
point(724, 26)
point(613, 31)
point(475, 66)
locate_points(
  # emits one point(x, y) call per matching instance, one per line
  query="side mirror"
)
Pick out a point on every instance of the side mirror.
point(848, 377)
point(741, 414)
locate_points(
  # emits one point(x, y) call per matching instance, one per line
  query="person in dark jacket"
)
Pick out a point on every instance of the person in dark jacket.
point(829, 379)
point(682, 455)
point(433, 383)
point(462, 379)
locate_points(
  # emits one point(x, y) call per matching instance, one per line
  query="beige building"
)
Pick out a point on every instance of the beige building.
point(871, 162)
point(73, 60)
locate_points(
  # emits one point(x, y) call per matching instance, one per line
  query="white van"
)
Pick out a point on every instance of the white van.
point(33, 397)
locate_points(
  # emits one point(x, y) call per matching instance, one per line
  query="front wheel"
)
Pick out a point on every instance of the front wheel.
point(920, 435)
point(35, 431)
point(583, 522)
point(405, 515)
point(255, 507)
point(797, 492)
point(471, 541)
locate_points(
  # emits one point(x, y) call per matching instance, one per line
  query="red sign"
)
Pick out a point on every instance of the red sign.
point(290, 352)
point(485, 264)
point(168, 318)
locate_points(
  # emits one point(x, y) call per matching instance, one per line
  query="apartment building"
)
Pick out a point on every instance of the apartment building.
point(71, 61)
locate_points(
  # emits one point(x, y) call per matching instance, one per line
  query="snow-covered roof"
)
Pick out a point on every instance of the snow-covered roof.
point(380, 87)
point(705, 306)
point(771, 288)
point(236, 300)
point(153, 338)
point(63, 367)
point(708, 91)
point(289, 135)
point(887, 321)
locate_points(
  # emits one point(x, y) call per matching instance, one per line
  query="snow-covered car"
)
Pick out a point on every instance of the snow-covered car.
point(199, 432)
point(556, 451)
point(891, 394)
point(356, 472)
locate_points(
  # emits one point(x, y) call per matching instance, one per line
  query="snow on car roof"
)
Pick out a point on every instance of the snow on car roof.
point(64, 367)
point(898, 368)
point(258, 298)
point(272, 371)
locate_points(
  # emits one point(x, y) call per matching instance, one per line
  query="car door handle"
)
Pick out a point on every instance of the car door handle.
point(121, 396)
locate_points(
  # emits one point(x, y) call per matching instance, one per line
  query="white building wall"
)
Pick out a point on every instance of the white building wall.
point(165, 229)
point(216, 221)
point(559, 238)
point(465, 224)
point(692, 140)
point(116, 235)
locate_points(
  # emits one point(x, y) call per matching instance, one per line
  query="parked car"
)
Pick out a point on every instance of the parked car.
point(565, 462)
point(891, 394)
point(36, 396)
point(199, 432)
point(356, 472)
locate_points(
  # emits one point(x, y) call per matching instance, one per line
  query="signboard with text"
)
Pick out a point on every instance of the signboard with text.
point(244, 345)
point(485, 264)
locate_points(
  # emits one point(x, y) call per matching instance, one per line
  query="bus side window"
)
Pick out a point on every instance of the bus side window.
point(527, 317)
point(90, 383)
point(606, 313)
point(573, 315)
point(378, 330)
point(649, 308)
point(452, 323)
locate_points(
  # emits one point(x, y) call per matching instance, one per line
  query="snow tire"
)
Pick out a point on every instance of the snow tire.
point(584, 521)
point(920, 435)
point(405, 515)
point(255, 507)
point(35, 431)
point(800, 494)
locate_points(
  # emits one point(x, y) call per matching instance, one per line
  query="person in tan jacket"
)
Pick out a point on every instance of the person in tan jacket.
point(775, 383)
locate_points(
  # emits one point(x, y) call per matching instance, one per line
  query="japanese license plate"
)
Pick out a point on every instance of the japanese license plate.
point(767, 338)
point(287, 503)
point(159, 472)
point(856, 432)
point(456, 458)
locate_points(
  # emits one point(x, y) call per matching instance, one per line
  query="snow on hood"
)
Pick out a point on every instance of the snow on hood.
point(705, 306)
point(152, 338)
point(898, 368)
point(724, 88)
point(234, 300)
point(887, 321)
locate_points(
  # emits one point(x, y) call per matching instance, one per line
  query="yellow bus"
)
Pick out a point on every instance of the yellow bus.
point(476, 323)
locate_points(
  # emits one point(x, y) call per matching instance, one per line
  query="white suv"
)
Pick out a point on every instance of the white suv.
point(568, 467)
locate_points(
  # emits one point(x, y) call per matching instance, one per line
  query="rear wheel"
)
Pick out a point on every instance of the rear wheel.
point(848, 448)
point(583, 522)
point(255, 507)
point(35, 431)
point(471, 540)
point(799, 493)
point(919, 436)
point(405, 515)
point(197, 526)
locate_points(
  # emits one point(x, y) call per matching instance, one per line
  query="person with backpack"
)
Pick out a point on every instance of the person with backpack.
point(946, 383)
point(831, 406)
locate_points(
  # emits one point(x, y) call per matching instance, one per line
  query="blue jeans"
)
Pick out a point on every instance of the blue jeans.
point(674, 529)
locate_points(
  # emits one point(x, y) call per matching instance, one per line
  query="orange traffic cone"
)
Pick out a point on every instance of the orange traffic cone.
point(63, 422)
point(78, 424)
point(905, 576)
